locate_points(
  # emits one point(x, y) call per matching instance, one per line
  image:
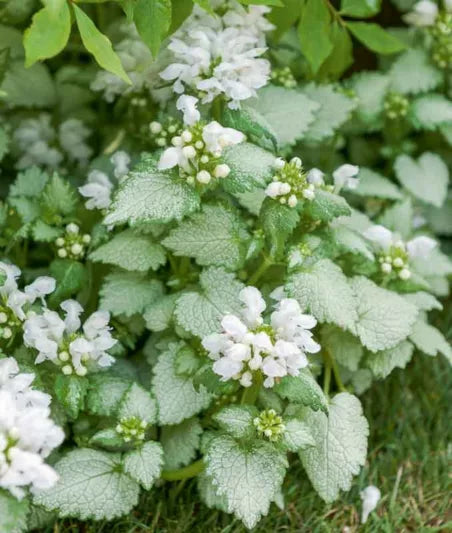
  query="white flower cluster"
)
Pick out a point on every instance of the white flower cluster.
point(72, 244)
point(62, 342)
point(13, 300)
point(220, 55)
point(290, 184)
point(247, 347)
point(394, 254)
point(27, 433)
point(98, 187)
point(425, 13)
point(197, 150)
point(40, 144)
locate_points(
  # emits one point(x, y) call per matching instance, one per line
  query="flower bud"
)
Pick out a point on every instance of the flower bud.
point(203, 177)
point(72, 228)
point(221, 171)
point(155, 127)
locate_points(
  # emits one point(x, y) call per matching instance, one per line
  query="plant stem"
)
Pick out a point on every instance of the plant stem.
point(114, 145)
point(184, 473)
point(330, 364)
point(266, 263)
point(250, 394)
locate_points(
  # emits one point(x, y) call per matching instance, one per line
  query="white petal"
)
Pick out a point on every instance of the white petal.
point(380, 235)
point(420, 247)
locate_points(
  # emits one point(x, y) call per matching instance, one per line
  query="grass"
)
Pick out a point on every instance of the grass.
point(410, 424)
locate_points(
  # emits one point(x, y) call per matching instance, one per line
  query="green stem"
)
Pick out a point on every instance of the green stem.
point(250, 394)
point(184, 473)
point(327, 377)
point(264, 266)
point(115, 143)
point(331, 365)
point(217, 109)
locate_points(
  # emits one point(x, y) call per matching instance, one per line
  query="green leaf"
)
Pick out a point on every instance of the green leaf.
point(250, 166)
point(340, 446)
point(108, 439)
point(201, 313)
point(374, 184)
point(159, 314)
point(249, 478)
point(335, 108)
point(313, 31)
point(180, 443)
point(13, 513)
point(29, 183)
point(4, 61)
point(351, 241)
point(297, 435)
point(430, 340)
point(71, 392)
point(49, 31)
point(152, 19)
point(105, 393)
point(58, 196)
point(187, 362)
point(399, 218)
point(370, 89)
point(323, 290)
point(284, 18)
point(277, 3)
point(431, 111)
point(302, 389)
point(289, 112)
point(145, 463)
point(43, 232)
point(138, 403)
point(176, 397)
point(383, 363)
point(384, 318)
point(181, 10)
point(237, 420)
point(150, 195)
point(70, 277)
point(214, 236)
point(343, 346)
point(90, 486)
point(98, 45)
point(426, 179)
point(375, 37)
point(132, 251)
point(17, 83)
point(326, 206)
point(413, 73)
point(360, 8)
point(128, 292)
point(254, 125)
point(341, 56)
point(278, 222)
point(423, 301)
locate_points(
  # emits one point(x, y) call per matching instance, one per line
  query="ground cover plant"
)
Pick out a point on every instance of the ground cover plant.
point(221, 223)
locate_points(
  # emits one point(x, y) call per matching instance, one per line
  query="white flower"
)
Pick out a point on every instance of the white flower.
point(97, 189)
point(27, 433)
point(121, 162)
point(247, 345)
point(424, 13)
point(370, 496)
point(220, 55)
point(344, 176)
point(188, 105)
point(217, 137)
point(72, 135)
point(395, 254)
point(315, 176)
point(33, 138)
point(62, 342)
point(13, 300)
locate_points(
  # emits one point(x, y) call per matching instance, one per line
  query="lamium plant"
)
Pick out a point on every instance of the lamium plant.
point(212, 243)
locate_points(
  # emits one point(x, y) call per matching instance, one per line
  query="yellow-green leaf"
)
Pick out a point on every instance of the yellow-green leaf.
point(48, 33)
point(314, 31)
point(99, 45)
point(375, 37)
point(152, 19)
